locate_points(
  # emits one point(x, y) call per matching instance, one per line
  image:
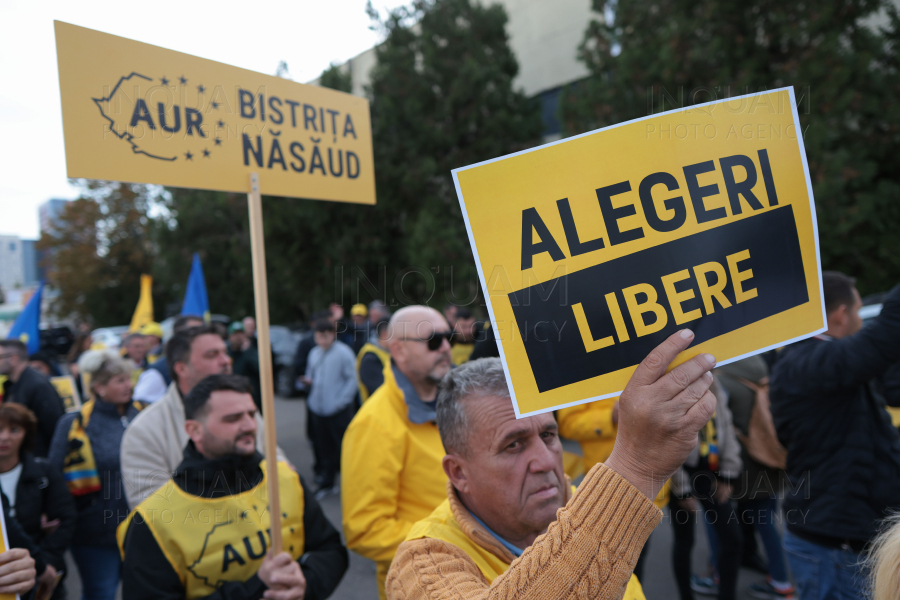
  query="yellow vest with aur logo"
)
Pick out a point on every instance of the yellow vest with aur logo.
point(211, 541)
point(442, 525)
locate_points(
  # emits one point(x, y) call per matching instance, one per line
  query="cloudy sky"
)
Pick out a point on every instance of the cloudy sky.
point(307, 34)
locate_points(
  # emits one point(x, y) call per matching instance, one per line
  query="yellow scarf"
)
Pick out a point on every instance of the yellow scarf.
point(79, 467)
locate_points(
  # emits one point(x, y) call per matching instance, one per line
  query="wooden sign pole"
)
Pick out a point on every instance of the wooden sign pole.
point(261, 296)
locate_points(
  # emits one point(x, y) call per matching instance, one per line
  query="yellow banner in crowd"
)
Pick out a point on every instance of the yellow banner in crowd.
point(594, 249)
point(141, 113)
point(68, 391)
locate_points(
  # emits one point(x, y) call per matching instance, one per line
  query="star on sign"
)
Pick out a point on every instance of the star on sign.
point(218, 142)
point(164, 80)
point(215, 105)
point(189, 156)
point(182, 80)
point(200, 88)
point(221, 123)
point(205, 153)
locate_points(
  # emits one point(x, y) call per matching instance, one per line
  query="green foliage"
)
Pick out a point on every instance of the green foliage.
point(336, 79)
point(841, 58)
point(442, 97)
point(215, 224)
point(97, 249)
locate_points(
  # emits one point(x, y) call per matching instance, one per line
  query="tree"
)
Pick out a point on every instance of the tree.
point(336, 79)
point(442, 97)
point(646, 57)
point(97, 249)
point(214, 224)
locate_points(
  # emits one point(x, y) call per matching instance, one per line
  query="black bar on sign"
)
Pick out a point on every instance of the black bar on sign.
point(765, 244)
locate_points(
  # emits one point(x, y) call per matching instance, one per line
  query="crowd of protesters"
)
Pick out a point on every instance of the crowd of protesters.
point(447, 492)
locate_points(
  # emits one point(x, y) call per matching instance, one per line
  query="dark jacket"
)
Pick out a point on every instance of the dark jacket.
point(843, 453)
point(371, 372)
point(101, 512)
point(301, 356)
point(246, 363)
point(36, 393)
point(42, 490)
point(19, 539)
point(147, 574)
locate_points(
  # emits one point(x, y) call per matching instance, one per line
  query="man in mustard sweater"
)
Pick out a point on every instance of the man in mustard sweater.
point(391, 455)
point(510, 528)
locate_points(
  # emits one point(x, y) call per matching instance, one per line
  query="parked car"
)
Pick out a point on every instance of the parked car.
point(108, 337)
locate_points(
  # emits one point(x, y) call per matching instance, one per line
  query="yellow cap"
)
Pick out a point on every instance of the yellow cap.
point(152, 328)
point(359, 309)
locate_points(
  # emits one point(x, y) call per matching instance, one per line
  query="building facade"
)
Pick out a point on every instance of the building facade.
point(12, 264)
point(49, 211)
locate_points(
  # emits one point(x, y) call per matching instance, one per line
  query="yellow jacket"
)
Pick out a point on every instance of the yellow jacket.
point(588, 553)
point(392, 474)
point(591, 425)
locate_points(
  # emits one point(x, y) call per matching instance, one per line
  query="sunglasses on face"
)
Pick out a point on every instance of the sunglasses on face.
point(435, 341)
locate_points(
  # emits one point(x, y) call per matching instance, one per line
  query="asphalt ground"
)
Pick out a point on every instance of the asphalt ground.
point(359, 581)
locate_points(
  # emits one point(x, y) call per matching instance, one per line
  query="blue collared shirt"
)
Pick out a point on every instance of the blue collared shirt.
point(419, 411)
point(516, 551)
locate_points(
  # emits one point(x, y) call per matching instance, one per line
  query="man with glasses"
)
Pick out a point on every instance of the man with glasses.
point(26, 386)
point(392, 451)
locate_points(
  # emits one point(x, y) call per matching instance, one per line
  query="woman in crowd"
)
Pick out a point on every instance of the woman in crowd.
point(884, 559)
point(38, 497)
point(86, 447)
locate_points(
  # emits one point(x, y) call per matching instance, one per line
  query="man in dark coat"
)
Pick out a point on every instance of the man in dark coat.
point(28, 387)
point(843, 458)
point(221, 484)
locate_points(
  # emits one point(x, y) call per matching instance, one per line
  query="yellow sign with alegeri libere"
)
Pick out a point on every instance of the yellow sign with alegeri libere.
point(140, 113)
point(594, 249)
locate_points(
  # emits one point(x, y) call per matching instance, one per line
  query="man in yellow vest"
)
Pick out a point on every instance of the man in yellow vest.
point(391, 456)
point(507, 496)
point(205, 533)
point(373, 361)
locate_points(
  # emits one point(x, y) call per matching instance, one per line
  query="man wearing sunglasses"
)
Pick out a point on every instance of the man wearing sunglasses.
point(392, 451)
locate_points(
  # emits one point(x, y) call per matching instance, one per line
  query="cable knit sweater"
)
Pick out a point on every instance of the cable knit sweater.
point(588, 552)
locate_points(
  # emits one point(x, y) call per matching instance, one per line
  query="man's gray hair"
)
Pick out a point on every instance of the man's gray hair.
point(475, 379)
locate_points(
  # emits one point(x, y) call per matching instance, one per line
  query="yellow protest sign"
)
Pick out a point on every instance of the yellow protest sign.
point(594, 249)
point(141, 113)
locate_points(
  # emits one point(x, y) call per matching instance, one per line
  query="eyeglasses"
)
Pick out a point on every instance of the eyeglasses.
point(435, 341)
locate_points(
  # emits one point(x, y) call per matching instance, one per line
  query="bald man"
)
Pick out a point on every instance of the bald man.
point(392, 451)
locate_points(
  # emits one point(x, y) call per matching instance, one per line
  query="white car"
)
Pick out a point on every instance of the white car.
point(108, 337)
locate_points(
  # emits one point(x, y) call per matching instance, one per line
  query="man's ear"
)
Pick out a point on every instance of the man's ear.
point(180, 369)
point(455, 469)
point(838, 317)
point(194, 430)
point(397, 350)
